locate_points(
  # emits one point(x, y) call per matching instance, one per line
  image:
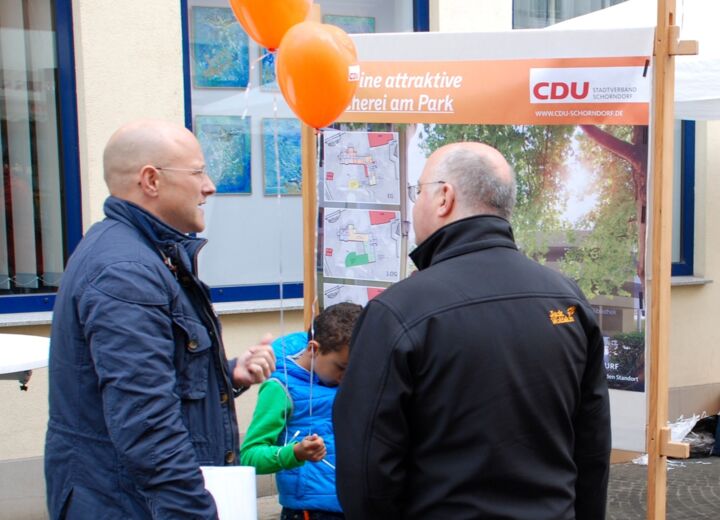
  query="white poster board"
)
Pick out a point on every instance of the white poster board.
point(525, 78)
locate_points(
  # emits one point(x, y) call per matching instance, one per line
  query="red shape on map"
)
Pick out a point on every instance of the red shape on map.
point(374, 291)
point(330, 176)
point(380, 138)
point(328, 251)
point(378, 218)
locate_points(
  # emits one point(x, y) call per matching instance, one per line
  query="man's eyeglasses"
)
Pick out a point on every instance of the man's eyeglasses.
point(414, 189)
point(196, 171)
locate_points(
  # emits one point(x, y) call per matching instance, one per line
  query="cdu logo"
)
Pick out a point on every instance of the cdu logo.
point(582, 85)
point(559, 90)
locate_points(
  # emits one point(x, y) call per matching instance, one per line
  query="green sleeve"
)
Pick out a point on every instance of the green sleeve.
point(260, 447)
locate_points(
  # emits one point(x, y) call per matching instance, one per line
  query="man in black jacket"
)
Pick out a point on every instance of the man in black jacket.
point(476, 388)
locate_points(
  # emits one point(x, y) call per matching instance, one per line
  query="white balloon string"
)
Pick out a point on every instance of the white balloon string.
point(312, 381)
point(281, 289)
point(318, 185)
point(278, 192)
point(249, 84)
point(318, 137)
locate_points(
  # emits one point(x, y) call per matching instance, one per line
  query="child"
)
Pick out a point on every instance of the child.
point(296, 403)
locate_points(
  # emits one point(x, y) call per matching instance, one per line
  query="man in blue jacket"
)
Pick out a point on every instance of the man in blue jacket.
point(141, 393)
point(476, 388)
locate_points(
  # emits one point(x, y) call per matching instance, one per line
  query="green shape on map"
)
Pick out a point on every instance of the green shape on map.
point(354, 259)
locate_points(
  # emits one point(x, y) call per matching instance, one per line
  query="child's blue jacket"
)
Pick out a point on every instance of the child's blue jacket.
point(312, 485)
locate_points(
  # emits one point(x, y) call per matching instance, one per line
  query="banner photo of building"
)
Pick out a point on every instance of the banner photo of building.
point(570, 111)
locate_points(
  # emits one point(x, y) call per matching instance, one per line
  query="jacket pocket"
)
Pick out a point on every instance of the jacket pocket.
point(193, 358)
point(289, 483)
point(81, 502)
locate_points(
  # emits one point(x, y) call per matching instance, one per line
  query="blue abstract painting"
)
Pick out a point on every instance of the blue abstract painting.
point(226, 142)
point(220, 56)
point(351, 24)
point(268, 81)
point(286, 132)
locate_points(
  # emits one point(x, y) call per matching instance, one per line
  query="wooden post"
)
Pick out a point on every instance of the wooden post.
point(309, 199)
point(659, 445)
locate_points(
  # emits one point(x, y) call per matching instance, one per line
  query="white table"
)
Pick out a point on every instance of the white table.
point(20, 354)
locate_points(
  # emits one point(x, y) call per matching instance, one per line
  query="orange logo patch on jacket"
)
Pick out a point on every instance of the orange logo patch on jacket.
point(560, 317)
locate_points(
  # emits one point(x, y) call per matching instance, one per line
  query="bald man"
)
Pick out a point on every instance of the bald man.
point(141, 393)
point(475, 388)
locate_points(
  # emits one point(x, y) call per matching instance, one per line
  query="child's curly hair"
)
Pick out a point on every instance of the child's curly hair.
point(333, 327)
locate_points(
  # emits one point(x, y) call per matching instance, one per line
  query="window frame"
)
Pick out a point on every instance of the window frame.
point(685, 266)
point(71, 195)
point(263, 292)
point(421, 15)
point(547, 14)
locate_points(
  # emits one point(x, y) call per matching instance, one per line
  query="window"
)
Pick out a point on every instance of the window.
point(683, 199)
point(541, 13)
point(40, 219)
point(234, 106)
point(530, 14)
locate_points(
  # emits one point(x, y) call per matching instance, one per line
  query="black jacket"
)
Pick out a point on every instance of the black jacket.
point(475, 389)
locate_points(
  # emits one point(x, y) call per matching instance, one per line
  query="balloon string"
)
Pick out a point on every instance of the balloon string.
point(249, 84)
point(278, 192)
point(318, 142)
point(278, 199)
point(312, 381)
point(318, 183)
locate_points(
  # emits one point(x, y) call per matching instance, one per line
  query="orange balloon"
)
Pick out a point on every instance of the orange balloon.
point(267, 21)
point(317, 71)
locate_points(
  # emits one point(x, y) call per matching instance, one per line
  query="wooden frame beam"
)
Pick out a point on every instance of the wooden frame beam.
point(659, 442)
point(309, 211)
point(308, 144)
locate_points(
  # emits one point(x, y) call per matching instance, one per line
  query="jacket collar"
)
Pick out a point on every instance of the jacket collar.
point(162, 236)
point(463, 236)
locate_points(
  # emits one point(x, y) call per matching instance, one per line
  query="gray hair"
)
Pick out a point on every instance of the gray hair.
point(481, 187)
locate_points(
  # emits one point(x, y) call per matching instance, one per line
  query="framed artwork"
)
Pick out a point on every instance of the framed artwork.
point(351, 24)
point(286, 132)
point(226, 142)
point(268, 81)
point(220, 56)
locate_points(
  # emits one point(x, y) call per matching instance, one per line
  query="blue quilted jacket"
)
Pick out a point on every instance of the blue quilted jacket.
point(312, 485)
point(140, 388)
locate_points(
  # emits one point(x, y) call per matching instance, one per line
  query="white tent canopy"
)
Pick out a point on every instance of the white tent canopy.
point(697, 78)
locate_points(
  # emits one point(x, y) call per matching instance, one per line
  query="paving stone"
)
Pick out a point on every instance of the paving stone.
point(693, 492)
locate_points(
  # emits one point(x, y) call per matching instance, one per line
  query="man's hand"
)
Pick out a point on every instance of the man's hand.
point(311, 448)
point(255, 364)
